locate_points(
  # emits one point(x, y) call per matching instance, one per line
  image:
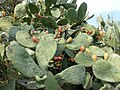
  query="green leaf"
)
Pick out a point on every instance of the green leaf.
point(84, 59)
point(74, 74)
point(22, 61)
point(51, 80)
point(71, 15)
point(69, 5)
point(33, 8)
point(45, 50)
point(49, 22)
point(55, 12)
point(25, 39)
point(82, 11)
point(106, 71)
point(63, 21)
point(96, 50)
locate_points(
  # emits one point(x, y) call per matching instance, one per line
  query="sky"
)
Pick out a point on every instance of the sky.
point(102, 7)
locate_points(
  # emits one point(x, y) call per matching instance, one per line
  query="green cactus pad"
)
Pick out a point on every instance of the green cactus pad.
point(49, 22)
point(60, 49)
point(84, 59)
point(25, 39)
point(20, 10)
point(82, 11)
point(108, 86)
point(80, 40)
point(63, 21)
point(69, 5)
point(51, 79)
point(74, 74)
point(13, 30)
point(45, 50)
point(26, 27)
point(73, 1)
point(33, 8)
point(114, 58)
point(71, 15)
point(70, 53)
point(6, 22)
point(96, 50)
point(55, 12)
point(49, 3)
point(88, 82)
point(107, 71)
point(22, 61)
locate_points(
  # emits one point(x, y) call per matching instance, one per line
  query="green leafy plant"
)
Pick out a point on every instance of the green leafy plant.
point(51, 42)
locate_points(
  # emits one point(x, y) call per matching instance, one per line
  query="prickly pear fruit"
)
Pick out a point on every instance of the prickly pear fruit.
point(87, 50)
point(69, 40)
point(35, 39)
point(94, 57)
point(60, 29)
point(82, 48)
point(106, 56)
point(3, 13)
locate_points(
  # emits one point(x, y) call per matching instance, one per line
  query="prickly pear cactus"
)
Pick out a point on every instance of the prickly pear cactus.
point(22, 61)
point(50, 41)
point(74, 74)
point(55, 12)
point(20, 10)
point(96, 50)
point(88, 82)
point(107, 86)
point(62, 21)
point(26, 27)
point(25, 39)
point(45, 50)
point(6, 22)
point(49, 22)
point(106, 71)
point(12, 31)
point(51, 79)
point(84, 59)
point(82, 11)
point(71, 14)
